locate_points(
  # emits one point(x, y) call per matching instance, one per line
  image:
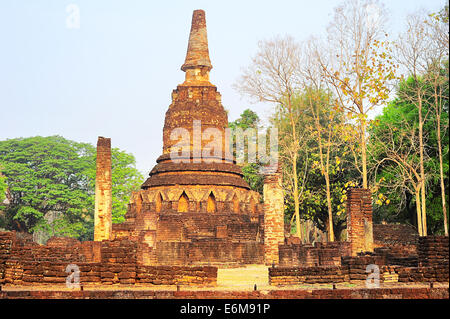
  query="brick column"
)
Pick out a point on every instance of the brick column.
point(359, 220)
point(103, 191)
point(273, 217)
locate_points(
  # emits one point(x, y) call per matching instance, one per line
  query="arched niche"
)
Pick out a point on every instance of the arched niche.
point(235, 202)
point(211, 206)
point(139, 201)
point(183, 203)
point(252, 205)
point(158, 202)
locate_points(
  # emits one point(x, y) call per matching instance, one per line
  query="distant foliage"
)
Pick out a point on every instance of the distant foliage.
point(53, 174)
point(250, 119)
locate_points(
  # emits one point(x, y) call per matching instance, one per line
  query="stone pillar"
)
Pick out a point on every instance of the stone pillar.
point(273, 217)
point(359, 220)
point(103, 191)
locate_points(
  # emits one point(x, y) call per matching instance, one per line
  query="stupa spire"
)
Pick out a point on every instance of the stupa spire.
point(197, 63)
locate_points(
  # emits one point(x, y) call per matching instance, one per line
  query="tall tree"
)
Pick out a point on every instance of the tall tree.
point(437, 76)
point(357, 63)
point(394, 149)
point(3, 187)
point(421, 53)
point(272, 77)
point(52, 174)
point(250, 120)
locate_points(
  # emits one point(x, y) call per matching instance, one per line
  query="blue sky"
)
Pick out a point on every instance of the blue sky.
point(114, 75)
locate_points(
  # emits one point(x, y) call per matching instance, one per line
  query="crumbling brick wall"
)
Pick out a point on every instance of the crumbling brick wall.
point(209, 251)
point(107, 263)
point(280, 276)
point(273, 217)
point(317, 254)
point(103, 191)
point(401, 239)
point(359, 220)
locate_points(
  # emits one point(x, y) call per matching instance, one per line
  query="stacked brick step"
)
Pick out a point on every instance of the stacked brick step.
point(172, 275)
point(119, 251)
point(433, 251)
point(394, 258)
point(318, 254)
point(118, 273)
point(280, 276)
point(6, 242)
point(423, 274)
point(356, 266)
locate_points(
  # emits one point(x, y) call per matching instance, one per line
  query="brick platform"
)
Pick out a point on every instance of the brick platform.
point(374, 293)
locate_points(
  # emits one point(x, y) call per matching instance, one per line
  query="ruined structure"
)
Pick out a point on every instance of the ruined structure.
point(195, 207)
point(359, 220)
point(103, 191)
point(273, 217)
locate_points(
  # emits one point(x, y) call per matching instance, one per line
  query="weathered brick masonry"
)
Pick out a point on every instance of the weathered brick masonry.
point(195, 207)
point(273, 217)
point(359, 220)
point(374, 293)
point(105, 263)
point(103, 191)
point(430, 266)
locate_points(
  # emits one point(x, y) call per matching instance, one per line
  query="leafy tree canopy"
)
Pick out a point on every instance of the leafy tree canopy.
point(53, 174)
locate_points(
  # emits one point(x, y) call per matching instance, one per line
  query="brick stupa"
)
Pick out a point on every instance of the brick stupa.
point(198, 208)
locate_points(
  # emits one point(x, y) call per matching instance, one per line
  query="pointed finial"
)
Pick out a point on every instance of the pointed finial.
point(197, 56)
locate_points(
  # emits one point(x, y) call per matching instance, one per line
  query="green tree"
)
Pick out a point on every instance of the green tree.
point(125, 179)
point(53, 174)
point(3, 187)
point(394, 149)
point(249, 119)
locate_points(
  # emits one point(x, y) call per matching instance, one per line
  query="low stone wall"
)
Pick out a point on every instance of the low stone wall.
point(433, 251)
point(318, 254)
point(389, 267)
point(54, 273)
point(106, 263)
point(423, 274)
point(172, 275)
point(280, 276)
point(394, 234)
point(209, 251)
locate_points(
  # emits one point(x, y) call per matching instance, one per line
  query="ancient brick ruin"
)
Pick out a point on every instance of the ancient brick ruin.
point(195, 208)
point(359, 220)
point(195, 213)
point(103, 191)
point(273, 217)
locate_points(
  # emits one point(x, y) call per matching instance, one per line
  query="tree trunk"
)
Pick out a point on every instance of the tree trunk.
point(296, 203)
point(419, 213)
point(330, 212)
point(294, 170)
point(422, 170)
point(364, 154)
point(441, 170)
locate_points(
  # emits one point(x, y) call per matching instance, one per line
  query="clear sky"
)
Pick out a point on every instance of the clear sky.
point(113, 76)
